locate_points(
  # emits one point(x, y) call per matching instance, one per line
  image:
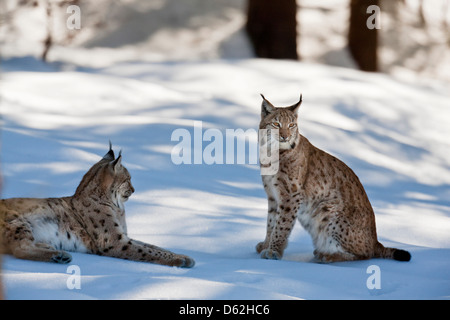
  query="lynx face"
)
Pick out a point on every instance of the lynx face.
point(122, 187)
point(282, 119)
point(117, 181)
point(109, 178)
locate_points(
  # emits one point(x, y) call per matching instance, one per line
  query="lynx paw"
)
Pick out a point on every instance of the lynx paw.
point(261, 246)
point(62, 257)
point(270, 254)
point(184, 262)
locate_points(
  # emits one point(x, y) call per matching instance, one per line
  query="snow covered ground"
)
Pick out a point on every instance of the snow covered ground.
point(57, 121)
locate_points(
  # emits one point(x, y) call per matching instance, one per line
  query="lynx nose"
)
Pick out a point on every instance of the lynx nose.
point(130, 188)
point(284, 135)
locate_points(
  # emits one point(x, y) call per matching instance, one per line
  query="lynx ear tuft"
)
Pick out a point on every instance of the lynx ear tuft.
point(294, 108)
point(266, 107)
point(110, 155)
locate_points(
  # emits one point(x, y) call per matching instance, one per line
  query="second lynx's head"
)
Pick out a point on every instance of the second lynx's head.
point(282, 119)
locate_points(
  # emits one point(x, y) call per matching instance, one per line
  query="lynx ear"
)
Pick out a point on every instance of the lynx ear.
point(294, 107)
point(266, 107)
point(110, 155)
point(118, 162)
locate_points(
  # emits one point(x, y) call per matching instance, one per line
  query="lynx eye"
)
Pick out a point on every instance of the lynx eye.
point(276, 124)
point(292, 125)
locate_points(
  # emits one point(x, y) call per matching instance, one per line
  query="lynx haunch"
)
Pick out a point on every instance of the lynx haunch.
point(322, 192)
point(90, 221)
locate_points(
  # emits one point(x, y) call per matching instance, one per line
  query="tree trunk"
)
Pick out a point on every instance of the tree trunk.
point(48, 42)
point(362, 40)
point(272, 28)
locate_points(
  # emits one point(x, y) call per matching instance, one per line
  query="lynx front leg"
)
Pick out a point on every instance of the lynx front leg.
point(285, 221)
point(271, 220)
point(139, 251)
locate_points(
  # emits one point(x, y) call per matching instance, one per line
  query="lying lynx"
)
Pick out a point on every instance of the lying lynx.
point(321, 192)
point(91, 221)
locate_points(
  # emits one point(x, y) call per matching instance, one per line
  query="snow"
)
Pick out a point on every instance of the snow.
point(58, 119)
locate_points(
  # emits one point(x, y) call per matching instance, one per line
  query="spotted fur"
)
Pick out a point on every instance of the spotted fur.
point(90, 221)
point(322, 192)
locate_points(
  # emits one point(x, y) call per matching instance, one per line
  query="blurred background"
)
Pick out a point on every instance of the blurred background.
point(412, 43)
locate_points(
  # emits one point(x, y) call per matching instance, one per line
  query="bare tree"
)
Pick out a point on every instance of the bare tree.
point(55, 11)
point(272, 28)
point(49, 38)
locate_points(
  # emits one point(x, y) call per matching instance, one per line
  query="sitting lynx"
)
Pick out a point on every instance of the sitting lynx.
point(321, 192)
point(91, 221)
